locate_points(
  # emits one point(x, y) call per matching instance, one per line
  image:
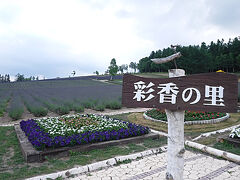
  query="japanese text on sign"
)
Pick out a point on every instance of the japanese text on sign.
point(216, 92)
point(169, 91)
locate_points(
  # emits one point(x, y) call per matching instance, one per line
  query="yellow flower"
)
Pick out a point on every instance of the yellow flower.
point(220, 70)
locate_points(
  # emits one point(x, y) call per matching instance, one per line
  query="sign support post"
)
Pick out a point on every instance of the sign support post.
point(175, 150)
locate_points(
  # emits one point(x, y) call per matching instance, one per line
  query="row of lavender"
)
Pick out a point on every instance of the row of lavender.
point(77, 130)
point(61, 97)
point(4, 99)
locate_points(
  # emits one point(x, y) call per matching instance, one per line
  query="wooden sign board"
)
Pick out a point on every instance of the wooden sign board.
point(209, 92)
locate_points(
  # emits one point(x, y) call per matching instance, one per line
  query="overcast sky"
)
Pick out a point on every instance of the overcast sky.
point(55, 37)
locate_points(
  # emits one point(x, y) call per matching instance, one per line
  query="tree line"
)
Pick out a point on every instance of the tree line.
point(198, 59)
point(4, 78)
point(20, 78)
point(113, 69)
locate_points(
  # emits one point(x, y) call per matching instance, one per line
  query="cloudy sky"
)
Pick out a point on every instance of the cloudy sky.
point(55, 37)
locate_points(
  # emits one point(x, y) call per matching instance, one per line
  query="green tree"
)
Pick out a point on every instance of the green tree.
point(123, 67)
point(120, 68)
point(73, 73)
point(134, 66)
point(20, 77)
point(96, 72)
point(198, 59)
point(8, 78)
point(113, 68)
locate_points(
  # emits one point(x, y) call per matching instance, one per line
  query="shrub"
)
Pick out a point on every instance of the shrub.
point(99, 107)
point(39, 111)
point(3, 106)
point(61, 110)
point(88, 104)
point(113, 105)
point(78, 109)
point(50, 106)
point(70, 105)
point(16, 113)
point(1, 112)
point(157, 114)
point(189, 115)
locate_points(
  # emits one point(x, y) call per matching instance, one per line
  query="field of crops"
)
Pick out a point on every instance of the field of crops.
point(59, 96)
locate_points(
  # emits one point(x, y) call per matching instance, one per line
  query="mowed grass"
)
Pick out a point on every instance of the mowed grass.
point(224, 146)
point(153, 75)
point(13, 165)
point(190, 130)
point(146, 75)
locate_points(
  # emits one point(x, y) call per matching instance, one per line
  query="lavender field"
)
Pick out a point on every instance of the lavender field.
point(59, 96)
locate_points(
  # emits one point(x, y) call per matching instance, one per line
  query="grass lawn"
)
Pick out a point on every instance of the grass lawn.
point(153, 75)
point(190, 130)
point(13, 165)
point(116, 81)
point(146, 75)
point(225, 146)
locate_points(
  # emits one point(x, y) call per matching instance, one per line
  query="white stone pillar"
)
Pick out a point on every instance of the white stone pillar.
point(175, 150)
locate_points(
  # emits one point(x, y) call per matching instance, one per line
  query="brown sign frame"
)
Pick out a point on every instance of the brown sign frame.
point(198, 81)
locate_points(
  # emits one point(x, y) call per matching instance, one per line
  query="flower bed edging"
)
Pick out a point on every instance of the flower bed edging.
point(32, 155)
point(215, 132)
point(213, 151)
point(212, 121)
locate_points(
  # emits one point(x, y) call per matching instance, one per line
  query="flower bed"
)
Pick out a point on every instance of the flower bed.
point(189, 115)
point(78, 129)
point(235, 133)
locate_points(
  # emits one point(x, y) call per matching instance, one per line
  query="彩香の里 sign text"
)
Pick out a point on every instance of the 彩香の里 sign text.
point(215, 92)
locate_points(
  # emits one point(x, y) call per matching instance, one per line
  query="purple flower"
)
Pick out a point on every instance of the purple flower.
point(41, 139)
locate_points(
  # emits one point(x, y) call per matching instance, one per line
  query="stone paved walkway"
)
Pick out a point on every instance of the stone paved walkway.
point(197, 166)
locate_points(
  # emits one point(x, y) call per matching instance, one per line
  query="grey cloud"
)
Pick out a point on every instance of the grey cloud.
point(183, 22)
point(225, 13)
point(33, 56)
point(164, 21)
